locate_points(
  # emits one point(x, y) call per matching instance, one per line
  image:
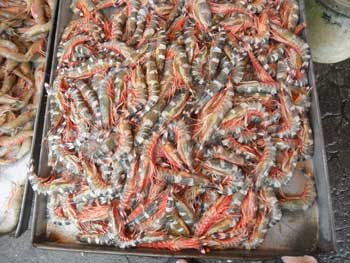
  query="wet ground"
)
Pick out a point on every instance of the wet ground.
point(333, 84)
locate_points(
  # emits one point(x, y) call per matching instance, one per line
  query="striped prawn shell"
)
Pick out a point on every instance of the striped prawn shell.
point(221, 169)
point(91, 98)
point(177, 225)
point(49, 186)
point(106, 147)
point(290, 14)
point(189, 40)
point(81, 105)
point(151, 29)
point(87, 69)
point(119, 87)
point(147, 212)
point(216, 52)
point(98, 239)
point(258, 234)
point(167, 81)
point(202, 13)
point(140, 26)
point(86, 6)
point(264, 63)
point(276, 53)
point(250, 87)
point(235, 122)
point(170, 153)
point(287, 37)
point(174, 108)
point(292, 120)
point(307, 149)
point(270, 200)
point(103, 84)
point(182, 65)
point(222, 153)
point(211, 116)
point(218, 230)
point(152, 80)
point(147, 123)
point(55, 203)
point(182, 178)
point(161, 50)
point(198, 67)
point(82, 51)
point(175, 12)
point(282, 70)
point(119, 47)
point(284, 171)
point(118, 22)
point(238, 71)
point(140, 92)
point(215, 86)
point(299, 202)
point(125, 139)
point(268, 159)
point(96, 181)
point(68, 47)
point(257, 6)
point(184, 142)
point(131, 22)
point(185, 212)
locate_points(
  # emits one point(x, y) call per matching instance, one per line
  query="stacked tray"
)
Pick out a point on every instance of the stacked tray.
point(21, 165)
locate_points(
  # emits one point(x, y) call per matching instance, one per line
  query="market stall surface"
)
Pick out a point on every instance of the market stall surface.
point(333, 84)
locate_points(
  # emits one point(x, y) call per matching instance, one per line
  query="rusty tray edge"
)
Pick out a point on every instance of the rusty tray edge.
point(327, 227)
point(238, 254)
point(326, 239)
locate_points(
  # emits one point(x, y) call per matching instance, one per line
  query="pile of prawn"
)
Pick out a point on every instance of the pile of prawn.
point(23, 30)
point(177, 124)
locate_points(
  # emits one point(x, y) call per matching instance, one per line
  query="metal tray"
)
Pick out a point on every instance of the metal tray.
point(299, 233)
point(26, 204)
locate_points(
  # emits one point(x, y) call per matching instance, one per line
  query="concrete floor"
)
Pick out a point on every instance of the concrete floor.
point(333, 84)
